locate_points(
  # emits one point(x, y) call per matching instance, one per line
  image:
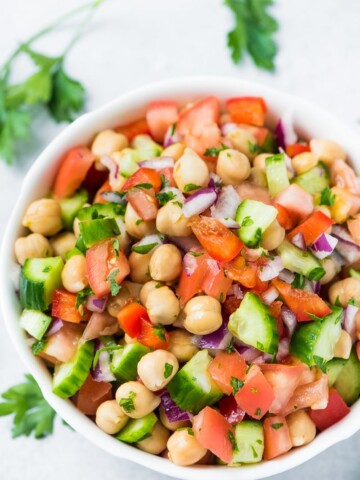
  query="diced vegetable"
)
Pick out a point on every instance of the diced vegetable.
point(311, 229)
point(277, 437)
point(160, 116)
point(299, 261)
point(335, 411)
point(315, 180)
point(35, 323)
point(228, 371)
point(200, 113)
point(254, 218)
point(250, 110)
point(71, 206)
point(348, 380)
point(276, 173)
point(249, 438)
point(124, 361)
point(137, 429)
point(94, 231)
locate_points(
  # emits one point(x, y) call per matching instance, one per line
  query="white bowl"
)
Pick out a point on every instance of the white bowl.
point(309, 120)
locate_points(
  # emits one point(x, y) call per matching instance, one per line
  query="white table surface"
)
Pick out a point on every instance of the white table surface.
point(131, 43)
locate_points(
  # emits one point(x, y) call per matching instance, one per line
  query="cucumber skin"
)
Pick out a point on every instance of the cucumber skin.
point(33, 294)
point(276, 173)
point(109, 210)
point(250, 435)
point(251, 235)
point(82, 362)
point(135, 429)
point(185, 391)
point(333, 369)
point(94, 231)
point(314, 180)
point(126, 368)
point(306, 263)
point(348, 381)
point(71, 206)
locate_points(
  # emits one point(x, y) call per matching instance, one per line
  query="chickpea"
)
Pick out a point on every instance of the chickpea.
point(157, 368)
point(139, 266)
point(157, 440)
point(172, 425)
point(110, 418)
point(303, 162)
point(76, 228)
point(73, 274)
point(331, 270)
point(258, 177)
point(345, 290)
point(301, 428)
point(62, 243)
point(136, 226)
point(259, 160)
point(243, 141)
point(343, 346)
point(136, 400)
point(232, 166)
point(107, 142)
point(34, 245)
point(190, 169)
point(176, 150)
point(147, 288)
point(326, 150)
point(273, 236)
point(162, 305)
point(129, 291)
point(181, 345)
point(166, 263)
point(171, 221)
point(43, 216)
point(202, 315)
point(184, 449)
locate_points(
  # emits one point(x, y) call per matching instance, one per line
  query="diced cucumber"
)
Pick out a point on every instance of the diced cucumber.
point(70, 376)
point(316, 340)
point(99, 210)
point(249, 437)
point(298, 261)
point(354, 273)
point(94, 231)
point(276, 173)
point(333, 369)
point(72, 253)
point(254, 218)
point(146, 147)
point(128, 160)
point(192, 388)
point(38, 280)
point(253, 324)
point(80, 245)
point(35, 323)
point(136, 429)
point(71, 206)
point(348, 381)
point(314, 180)
point(124, 362)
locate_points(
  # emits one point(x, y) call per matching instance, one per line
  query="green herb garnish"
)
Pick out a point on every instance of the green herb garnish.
point(276, 426)
point(143, 248)
point(81, 296)
point(127, 403)
point(165, 197)
point(320, 362)
point(190, 187)
point(299, 281)
point(168, 369)
point(146, 186)
point(327, 198)
point(247, 222)
point(38, 346)
point(214, 151)
point(114, 286)
point(236, 384)
point(159, 331)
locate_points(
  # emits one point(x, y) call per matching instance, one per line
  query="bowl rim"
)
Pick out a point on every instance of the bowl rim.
point(178, 89)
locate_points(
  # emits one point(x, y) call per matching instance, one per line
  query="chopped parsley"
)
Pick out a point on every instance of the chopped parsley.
point(147, 186)
point(190, 187)
point(38, 346)
point(353, 302)
point(230, 348)
point(231, 437)
point(316, 274)
point(164, 181)
point(114, 286)
point(221, 298)
point(168, 369)
point(81, 296)
point(260, 346)
point(179, 204)
point(127, 403)
point(254, 390)
point(159, 331)
point(253, 147)
point(116, 247)
point(258, 412)
point(139, 221)
point(46, 269)
point(236, 384)
point(247, 222)
point(214, 151)
point(143, 248)
point(196, 254)
point(165, 197)
point(299, 281)
point(173, 128)
point(254, 452)
point(276, 426)
point(327, 198)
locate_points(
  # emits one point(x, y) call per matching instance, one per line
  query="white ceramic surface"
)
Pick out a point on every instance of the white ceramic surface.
point(309, 120)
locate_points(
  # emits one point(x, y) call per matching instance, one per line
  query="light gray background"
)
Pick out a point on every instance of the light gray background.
point(131, 43)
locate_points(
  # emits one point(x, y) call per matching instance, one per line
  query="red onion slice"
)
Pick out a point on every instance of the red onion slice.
point(236, 291)
point(346, 245)
point(172, 411)
point(271, 269)
point(289, 319)
point(158, 163)
point(287, 276)
point(171, 136)
point(186, 243)
point(110, 164)
point(270, 295)
point(299, 241)
point(349, 321)
point(284, 130)
point(199, 202)
point(226, 204)
point(54, 327)
point(324, 246)
point(102, 372)
point(95, 304)
point(190, 264)
point(218, 340)
point(283, 350)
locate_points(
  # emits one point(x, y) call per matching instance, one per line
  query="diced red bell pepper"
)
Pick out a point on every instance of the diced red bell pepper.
point(238, 271)
point(160, 116)
point(64, 306)
point(250, 110)
point(284, 217)
point(335, 411)
point(129, 318)
point(312, 227)
point(145, 176)
point(153, 336)
point(296, 149)
point(200, 113)
point(276, 437)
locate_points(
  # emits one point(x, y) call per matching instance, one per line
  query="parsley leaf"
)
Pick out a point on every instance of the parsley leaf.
point(276, 426)
point(147, 186)
point(159, 331)
point(214, 151)
point(258, 412)
point(253, 31)
point(81, 296)
point(236, 384)
point(116, 247)
point(67, 97)
point(114, 286)
point(38, 346)
point(316, 274)
point(230, 348)
point(168, 369)
point(190, 187)
point(144, 248)
point(327, 198)
point(32, 414)
point(127, 403)
point(164, 181)
point(195, 254)
point(299, 281)
point(165, 197)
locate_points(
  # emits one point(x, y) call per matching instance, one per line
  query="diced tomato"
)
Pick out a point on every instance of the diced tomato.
point(226, 368)
point(91, 395)
point(308, 375)
point(276, 437)
point(286, 220)
point(314, 394)
point(143, 203)
point(202, 137)
point(62, 345)
point(296, 149)
point(250, 110)
point(260, 133)
point(129, 318)
point(72, 171)
point(160, 116)
point(102, 261)
point(168, 174)
point(214, 282)
point(200, 113)
point(301, 302)
point(296, 200)
point(231, 410)
point(135, 128)
point(105, 187)
point(312, 227)
point(218, 241)
point(214, 432)
point(230, 304)
point(256, 396)
point(143, 176)
point(335, 411)
point(283, 379)
point(64, 306)
point(275, 309)
point(343, 176)
point(190, 282)
point(240, 272)
point(153, 336)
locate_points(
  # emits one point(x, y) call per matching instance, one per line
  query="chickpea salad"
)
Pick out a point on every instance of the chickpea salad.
point(192, 282)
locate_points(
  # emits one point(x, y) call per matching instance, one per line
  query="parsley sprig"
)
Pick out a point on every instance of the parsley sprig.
point(49, 86)
point(253, 32)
